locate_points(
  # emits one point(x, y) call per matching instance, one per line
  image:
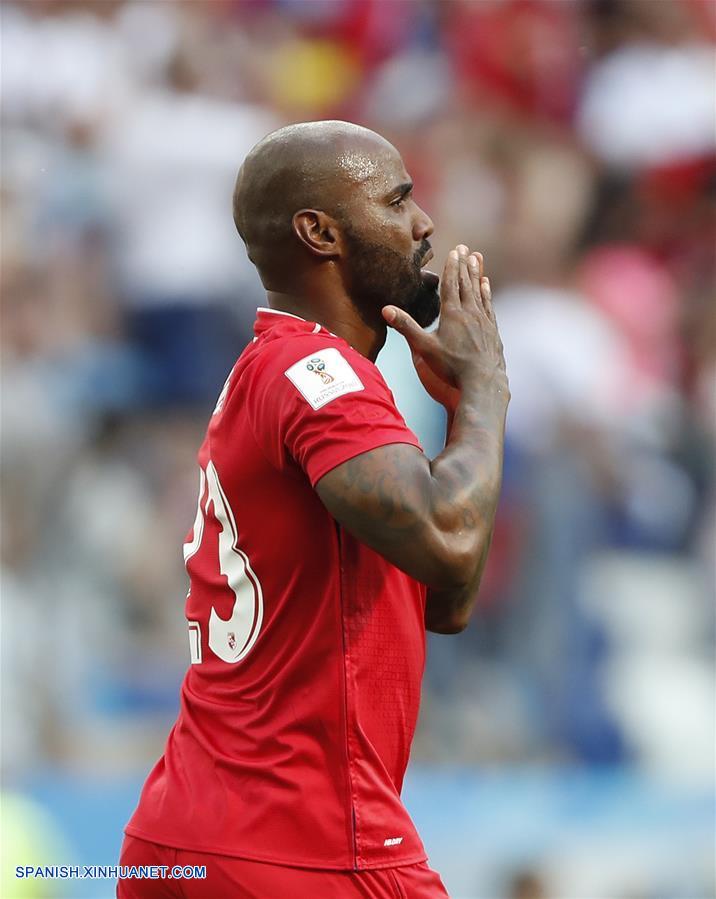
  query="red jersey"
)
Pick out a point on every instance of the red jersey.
point(307, 647)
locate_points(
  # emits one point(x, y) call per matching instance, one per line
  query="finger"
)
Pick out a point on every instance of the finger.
point(473, 263)
point(400, 321)
point(467, 295)
point(449, 291)
point(486, 293)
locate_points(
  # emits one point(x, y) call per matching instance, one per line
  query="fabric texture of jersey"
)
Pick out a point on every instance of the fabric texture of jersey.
point(307, 647)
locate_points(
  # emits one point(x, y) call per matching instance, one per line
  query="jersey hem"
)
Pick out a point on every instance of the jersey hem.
point(133, 831)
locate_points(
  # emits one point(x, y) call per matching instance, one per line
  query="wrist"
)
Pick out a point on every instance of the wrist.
point(493, 394)
point(483, 408)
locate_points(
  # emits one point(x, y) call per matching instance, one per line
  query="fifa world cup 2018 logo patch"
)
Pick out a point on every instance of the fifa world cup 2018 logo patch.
point(318, 366)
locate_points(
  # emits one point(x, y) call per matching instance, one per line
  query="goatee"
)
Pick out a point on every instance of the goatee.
point(424, 306)
point(379, 276)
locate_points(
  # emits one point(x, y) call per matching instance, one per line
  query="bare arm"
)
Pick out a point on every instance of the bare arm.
point(434, 519)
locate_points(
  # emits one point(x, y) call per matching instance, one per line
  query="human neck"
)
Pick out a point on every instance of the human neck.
point(337, 315)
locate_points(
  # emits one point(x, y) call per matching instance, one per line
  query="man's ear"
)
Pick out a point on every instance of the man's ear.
point(318, 232)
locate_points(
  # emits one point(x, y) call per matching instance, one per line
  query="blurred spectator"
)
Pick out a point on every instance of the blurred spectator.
point(171, 158)
point(651, 98)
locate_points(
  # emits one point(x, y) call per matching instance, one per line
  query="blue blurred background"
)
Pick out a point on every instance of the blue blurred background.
point(566, 741)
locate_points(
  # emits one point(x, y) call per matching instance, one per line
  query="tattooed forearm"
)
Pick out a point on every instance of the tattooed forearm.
point(471, 466)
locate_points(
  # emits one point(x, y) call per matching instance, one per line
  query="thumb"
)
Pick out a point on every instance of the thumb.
point(404, 324)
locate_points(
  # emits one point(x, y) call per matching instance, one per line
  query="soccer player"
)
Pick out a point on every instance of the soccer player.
point(325, 542)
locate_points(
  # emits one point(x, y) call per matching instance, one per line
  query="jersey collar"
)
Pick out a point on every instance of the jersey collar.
point(266, 319)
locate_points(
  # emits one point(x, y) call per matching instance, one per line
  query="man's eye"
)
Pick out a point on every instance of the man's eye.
point(399, 202)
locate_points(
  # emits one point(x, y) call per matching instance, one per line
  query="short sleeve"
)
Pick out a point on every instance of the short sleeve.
point(323, 405)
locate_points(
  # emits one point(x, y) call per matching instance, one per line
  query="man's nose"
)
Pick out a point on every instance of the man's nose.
point(423, 226)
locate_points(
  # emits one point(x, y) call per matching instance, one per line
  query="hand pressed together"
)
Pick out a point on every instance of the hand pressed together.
point(466, 350)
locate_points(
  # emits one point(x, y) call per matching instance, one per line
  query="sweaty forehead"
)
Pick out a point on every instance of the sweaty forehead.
point(372, 163)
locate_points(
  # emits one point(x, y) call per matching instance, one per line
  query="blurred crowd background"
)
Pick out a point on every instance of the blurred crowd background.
point(565, 748)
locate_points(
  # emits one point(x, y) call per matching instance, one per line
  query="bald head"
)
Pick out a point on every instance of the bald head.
point(327, 213)
point(312, 165)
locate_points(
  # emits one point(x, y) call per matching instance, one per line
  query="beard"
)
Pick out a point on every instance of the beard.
point(380, 276)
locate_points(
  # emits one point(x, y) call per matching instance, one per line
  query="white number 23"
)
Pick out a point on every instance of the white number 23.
point(230, 639)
